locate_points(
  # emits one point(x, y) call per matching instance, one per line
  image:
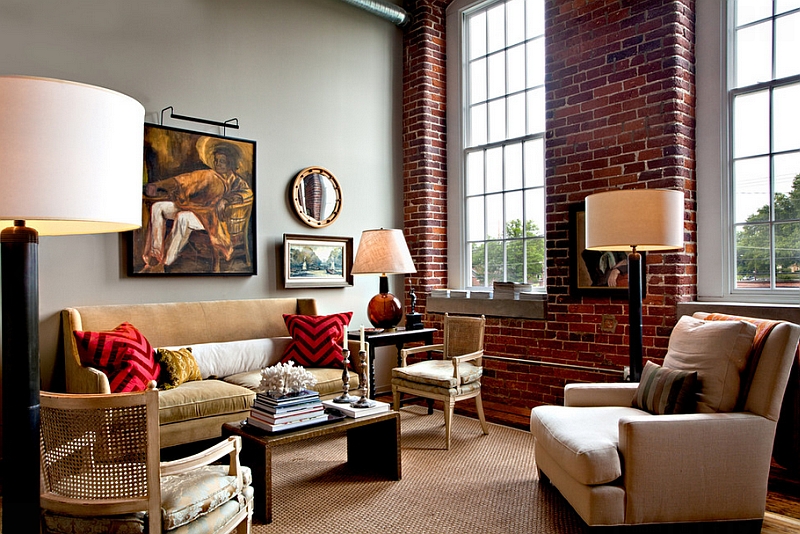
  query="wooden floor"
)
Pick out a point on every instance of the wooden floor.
point(783, 503)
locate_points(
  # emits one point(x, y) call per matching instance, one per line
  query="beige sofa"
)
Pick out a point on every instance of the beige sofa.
point(619, 465)
point(196, 410)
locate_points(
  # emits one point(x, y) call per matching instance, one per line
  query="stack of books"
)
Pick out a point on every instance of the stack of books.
point(510, 290)
point(274, 414)
point(350, 411)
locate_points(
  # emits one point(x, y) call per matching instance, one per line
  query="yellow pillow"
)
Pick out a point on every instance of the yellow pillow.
point(177, 367)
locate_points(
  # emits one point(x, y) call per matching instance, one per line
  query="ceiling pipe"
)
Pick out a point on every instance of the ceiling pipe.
point(386, 10)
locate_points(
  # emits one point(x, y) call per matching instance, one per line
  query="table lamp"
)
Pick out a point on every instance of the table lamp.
point(383, 252)
point(72, 164)
point(633, 220)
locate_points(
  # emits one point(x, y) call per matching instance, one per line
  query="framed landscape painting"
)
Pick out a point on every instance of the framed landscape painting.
point(198, 205)
point(317, 261)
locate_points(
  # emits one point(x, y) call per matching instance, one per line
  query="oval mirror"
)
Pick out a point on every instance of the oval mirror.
point(317, 197)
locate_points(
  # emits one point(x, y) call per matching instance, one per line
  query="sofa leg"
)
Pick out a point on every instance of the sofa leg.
point(542, 477)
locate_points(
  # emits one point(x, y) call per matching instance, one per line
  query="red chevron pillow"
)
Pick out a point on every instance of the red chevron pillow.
point(316, 339)
point(123, 354)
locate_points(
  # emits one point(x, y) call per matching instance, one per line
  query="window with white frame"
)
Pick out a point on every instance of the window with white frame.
point(764, 145)
point(501, 143)
point(747, 71)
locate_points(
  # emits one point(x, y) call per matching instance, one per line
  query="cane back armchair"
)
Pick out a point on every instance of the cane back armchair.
point(101, 471)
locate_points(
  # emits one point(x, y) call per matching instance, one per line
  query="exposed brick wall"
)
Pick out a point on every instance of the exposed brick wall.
point(424, 165)
point(620, 113)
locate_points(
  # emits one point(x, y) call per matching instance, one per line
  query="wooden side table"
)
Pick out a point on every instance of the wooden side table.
point(397, 337)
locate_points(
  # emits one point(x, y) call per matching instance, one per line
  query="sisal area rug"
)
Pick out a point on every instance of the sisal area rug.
point(485, 484)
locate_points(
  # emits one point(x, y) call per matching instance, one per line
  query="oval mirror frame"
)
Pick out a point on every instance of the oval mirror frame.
point(304, 189)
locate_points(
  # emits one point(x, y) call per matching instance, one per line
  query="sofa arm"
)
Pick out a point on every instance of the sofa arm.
point(600, 394)
point(695, 467)
point(79, 379)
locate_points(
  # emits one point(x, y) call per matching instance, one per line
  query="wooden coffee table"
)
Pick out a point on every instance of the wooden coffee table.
point(380, 432)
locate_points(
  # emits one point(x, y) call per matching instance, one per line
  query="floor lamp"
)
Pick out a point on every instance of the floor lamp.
point(72, 164)
point(635, 220)
point(383, 252)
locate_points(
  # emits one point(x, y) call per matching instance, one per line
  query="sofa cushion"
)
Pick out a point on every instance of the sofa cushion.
point(665, 391)
point(582, 440)
point(329, 380)
point(718, 351)
point(316, 339)
point(203, 398)
point(177, 367)
point(123, 354)
point(233, 357)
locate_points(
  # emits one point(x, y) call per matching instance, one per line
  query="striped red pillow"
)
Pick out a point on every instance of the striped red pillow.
point(316, 339)
point(123, 354)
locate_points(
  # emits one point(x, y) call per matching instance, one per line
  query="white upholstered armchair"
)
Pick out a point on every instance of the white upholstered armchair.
point(625, 454)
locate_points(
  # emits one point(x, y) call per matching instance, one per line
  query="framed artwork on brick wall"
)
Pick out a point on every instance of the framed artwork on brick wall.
point(594, 272)
point(198, 205)
point(317, 261)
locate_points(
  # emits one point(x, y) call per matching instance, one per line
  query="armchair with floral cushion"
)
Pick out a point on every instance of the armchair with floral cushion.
point(454, 377)
point(101, 471)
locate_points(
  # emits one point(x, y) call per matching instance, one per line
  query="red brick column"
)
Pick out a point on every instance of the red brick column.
point(424, 157)
point(620, 113)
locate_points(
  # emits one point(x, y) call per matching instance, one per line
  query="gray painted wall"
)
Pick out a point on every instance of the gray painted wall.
point(313, 82)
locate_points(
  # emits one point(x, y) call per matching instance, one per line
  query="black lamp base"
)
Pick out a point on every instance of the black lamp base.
point(20, 318)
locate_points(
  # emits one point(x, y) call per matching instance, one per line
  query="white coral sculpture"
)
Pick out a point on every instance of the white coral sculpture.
point(284, 379)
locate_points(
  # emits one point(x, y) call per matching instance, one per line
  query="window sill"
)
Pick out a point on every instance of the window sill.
point(520, 309)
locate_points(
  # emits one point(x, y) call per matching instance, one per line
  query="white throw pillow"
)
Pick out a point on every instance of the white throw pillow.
point(718, 351)
point(233, 357)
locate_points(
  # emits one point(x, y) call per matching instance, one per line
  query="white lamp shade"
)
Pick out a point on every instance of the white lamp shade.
point(71, 157)
point(383, 252)
point(648, 219)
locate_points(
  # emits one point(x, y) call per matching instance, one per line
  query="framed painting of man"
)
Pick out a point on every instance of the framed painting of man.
point(595, 273)
point(198, 205)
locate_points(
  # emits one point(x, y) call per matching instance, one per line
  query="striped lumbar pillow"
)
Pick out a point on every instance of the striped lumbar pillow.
point(665, 391)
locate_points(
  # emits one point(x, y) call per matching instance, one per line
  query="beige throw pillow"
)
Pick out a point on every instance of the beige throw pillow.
point(718, 351)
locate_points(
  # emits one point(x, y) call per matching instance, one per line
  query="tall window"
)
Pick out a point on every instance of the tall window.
point(502, 146)
point(764, 100)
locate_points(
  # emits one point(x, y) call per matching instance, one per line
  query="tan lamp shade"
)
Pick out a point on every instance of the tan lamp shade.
point(71, 155)
point(383, 251)
point(647, 219)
